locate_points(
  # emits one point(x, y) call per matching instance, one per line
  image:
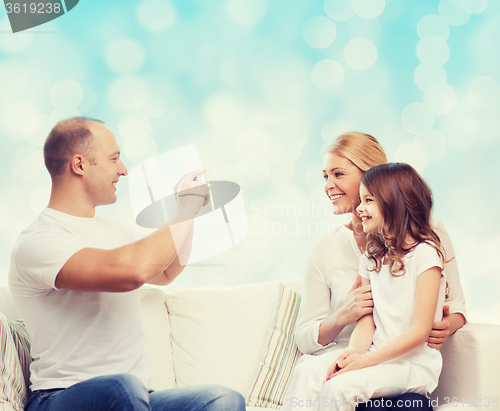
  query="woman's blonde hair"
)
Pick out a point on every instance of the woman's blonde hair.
point(363, 150)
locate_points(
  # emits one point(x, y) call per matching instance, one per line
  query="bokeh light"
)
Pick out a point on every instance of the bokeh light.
point(246, 13)
point(441, 98)
point(156, 15)
point(328, 75)
point(426, 76)
point(319, 32)
point(414, 154)
point(433, 25)
point(26, 161)
point(417, 118)
point(339, 10)
point(368, 9)
point(484, 92)
point(66, 93)
point(433, 51)
point(453, 14)
point(124, 56)
point(360, 53)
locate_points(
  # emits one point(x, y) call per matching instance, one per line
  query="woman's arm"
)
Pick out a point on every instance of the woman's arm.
point(454, 317)
point(426, 300)
point(358, 303)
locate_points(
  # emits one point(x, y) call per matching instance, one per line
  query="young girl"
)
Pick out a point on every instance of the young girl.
point(387, 353)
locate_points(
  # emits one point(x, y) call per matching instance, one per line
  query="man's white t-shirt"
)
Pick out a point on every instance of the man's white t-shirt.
point(75, 335)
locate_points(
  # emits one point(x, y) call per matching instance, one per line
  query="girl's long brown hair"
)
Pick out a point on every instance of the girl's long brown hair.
point(405, 203)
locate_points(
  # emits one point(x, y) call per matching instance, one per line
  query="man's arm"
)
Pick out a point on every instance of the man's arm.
point(129, 267)
point(175, 268)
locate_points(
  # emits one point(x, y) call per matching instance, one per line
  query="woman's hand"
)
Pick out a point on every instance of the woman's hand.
point(358, 303)
point(348, 360)
point(444, 328)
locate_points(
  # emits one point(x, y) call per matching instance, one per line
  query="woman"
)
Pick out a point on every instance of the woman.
point(333, 300)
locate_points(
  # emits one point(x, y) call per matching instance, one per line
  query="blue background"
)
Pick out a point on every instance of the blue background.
point(263, 87)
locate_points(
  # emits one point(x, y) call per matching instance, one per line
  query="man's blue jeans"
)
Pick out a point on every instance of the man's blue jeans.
point(124, 392)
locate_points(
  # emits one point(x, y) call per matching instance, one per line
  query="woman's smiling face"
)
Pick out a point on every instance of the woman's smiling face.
point(342, 179)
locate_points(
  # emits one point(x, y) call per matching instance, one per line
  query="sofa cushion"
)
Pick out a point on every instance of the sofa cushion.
point(218, 333)
point(157, 330)
point(13, 391)
point(280, 353)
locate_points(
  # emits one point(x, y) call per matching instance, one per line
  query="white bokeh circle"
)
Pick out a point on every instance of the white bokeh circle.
point(124, 56)
point(66, 93)
point(360, 53)
point(433, 25)
point(319, 32)
point(253, 143)
point(417, 118)
point(441, 98)
point(471, 6)
point(156, 15)
point(14, 116)
point(223, 111)
point(434, 142)
point(433, 51)
point(328, 75)
point(140, 148)
point(149, 103)
point(246, 13)
point(368, 9)
point(414, 154)
point(253, 171)
point(484, 92)
point(426, 76)
point(123, 91)
point(368, 29)
point(26, 161)
point(453, 14)
point(134, 124)
point(89, 99)
point(339, 10)
point(36, 129)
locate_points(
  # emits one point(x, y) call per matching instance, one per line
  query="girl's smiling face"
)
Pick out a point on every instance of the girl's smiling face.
point(369, 211)
point(342, 179)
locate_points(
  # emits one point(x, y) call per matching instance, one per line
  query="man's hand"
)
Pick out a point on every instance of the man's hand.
point(440, 330)
point(190, 193)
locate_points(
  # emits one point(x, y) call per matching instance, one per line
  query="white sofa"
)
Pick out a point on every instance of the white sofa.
point(217, 335)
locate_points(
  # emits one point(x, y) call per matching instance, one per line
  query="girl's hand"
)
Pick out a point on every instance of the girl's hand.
point(358, 303)
point(347, 361)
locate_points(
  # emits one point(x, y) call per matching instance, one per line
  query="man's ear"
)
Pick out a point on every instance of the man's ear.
point(77, 164)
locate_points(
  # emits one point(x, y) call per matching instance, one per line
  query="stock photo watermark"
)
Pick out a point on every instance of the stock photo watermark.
point(26, 14)
point(305, 220)
point(483, 402)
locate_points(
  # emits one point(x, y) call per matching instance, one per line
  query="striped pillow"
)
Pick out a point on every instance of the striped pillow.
point(13, 391)
point(22, 342)
point(280, 353)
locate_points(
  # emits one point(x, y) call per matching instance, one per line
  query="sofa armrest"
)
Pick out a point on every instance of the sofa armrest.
point(471, 364)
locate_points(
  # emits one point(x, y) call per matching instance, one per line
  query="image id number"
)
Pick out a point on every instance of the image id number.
point(478, 402)
point(32, 8)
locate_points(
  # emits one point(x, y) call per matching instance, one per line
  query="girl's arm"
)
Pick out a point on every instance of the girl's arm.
point(426, 300)
point(360, 341)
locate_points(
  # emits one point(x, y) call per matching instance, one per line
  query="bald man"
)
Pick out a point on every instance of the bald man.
point(76, 277)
